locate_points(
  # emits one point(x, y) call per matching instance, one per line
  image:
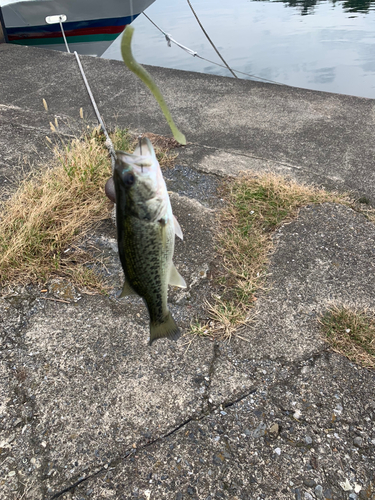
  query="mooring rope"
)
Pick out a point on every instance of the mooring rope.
point(195, 54)
point(63, 34)
point(209, 39)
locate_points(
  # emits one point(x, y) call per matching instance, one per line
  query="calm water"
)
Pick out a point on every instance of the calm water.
point(322, 45)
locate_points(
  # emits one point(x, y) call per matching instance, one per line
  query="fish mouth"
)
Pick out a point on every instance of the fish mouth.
point(144, 148)
point(127, 163)
point(130, 166)
point(143, 156)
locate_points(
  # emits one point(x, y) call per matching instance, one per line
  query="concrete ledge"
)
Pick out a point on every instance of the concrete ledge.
point(327, 138)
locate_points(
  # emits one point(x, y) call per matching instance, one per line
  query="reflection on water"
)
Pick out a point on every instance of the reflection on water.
point(321, 45)
point(358, 6)
point(307, 6)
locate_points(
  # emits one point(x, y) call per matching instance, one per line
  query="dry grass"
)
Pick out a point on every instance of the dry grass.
point(50, 211)
point(255, 207)
point(200, 330)
point(351, 332)
point(53, 210)
point(365, 209)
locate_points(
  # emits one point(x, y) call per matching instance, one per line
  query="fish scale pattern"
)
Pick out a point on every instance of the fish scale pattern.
point(145, 261)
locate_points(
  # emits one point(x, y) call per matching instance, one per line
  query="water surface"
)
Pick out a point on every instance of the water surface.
point(321, 45)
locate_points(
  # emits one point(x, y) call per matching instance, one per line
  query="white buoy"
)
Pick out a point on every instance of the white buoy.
point(56, 19)
point(61, 18)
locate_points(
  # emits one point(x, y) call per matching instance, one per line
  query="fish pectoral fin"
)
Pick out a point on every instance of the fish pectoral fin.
point(177, 228)
point(167, 328)
point(126, 291)
point(175, 278)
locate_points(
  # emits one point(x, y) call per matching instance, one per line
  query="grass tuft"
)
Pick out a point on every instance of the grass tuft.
point(49, 212)
point(255, 207)
point(351, 332)
point(55, 208)
point(199, 330)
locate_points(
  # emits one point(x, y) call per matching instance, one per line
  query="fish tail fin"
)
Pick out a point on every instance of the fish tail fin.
point(167, 328)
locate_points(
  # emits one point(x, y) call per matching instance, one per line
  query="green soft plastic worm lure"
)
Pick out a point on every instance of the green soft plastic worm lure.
point(146, 78)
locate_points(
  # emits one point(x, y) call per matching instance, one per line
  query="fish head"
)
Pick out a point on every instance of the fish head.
point(139, 185)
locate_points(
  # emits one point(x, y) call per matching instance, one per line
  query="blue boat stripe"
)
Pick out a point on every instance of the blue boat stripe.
point(70, 26)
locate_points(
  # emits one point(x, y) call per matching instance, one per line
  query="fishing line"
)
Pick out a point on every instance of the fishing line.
point(108, 142)
point(136, 84)
point(137, 96)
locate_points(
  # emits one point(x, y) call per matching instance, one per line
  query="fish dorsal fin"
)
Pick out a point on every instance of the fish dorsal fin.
point(126, 291)
point(177, 228)
point(175, 278)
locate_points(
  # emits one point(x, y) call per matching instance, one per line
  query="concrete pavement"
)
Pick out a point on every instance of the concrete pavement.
point(88, 410)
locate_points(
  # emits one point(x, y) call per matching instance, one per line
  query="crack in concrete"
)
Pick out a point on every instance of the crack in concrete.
point(240, 398)
point(243, 154)
point(41, 131)
point(115, 462)
point(207, 409)
point(210, 409)
point(206, 404)
point(318, 176)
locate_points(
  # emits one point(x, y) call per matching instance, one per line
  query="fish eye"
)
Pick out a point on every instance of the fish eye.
point(129, 179)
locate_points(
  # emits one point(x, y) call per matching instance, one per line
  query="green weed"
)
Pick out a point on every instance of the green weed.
point(351, 332)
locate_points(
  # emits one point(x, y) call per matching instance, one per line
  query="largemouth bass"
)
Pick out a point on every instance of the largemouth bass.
point(146, 231)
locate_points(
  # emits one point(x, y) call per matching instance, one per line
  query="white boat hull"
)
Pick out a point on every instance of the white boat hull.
point(90, 28)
